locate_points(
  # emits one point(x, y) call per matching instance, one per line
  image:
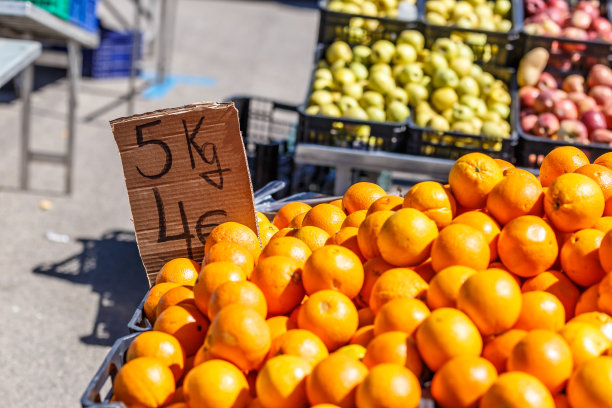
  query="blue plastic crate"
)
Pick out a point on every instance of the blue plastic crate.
point(113, 57)
point(83, 14)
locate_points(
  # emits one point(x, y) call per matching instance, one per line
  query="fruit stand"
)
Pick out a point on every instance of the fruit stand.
point(487, 283)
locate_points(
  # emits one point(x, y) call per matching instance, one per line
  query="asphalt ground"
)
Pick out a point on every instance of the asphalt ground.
point(70, 273)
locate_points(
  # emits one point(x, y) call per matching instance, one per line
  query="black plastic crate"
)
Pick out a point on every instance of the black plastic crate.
point(490, 47)
point(452, 145)
point(139, 322)
point(567, 54)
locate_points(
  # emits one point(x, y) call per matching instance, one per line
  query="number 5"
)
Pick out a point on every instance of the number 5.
point(141, 143)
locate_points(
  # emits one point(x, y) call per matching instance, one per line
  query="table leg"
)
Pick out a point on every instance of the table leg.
point(166, 38)
point(74, 74)
point(135, 58)
point(343, 180)
point(26, 90)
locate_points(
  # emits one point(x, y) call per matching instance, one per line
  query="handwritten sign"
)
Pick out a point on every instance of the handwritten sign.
point(186, 172)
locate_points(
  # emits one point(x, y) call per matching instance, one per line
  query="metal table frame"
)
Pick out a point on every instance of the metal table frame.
point(27, 21)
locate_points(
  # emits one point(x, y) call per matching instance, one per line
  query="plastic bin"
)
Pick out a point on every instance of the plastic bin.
point(113, 57)
point(83, 14)
point(452, 145)
point(60, 8)
point(139, 322)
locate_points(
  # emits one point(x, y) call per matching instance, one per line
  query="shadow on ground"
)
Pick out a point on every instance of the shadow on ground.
point(112, 267)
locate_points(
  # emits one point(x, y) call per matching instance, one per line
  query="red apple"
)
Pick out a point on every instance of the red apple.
point(545, 101)
point(527, 111)
point(607, 111)
point(565, 109)
point(573, 131)
point(593, 120)
point(528, 95)
point(581, 19)
point(574, 33)
point(528, 122)
point(546, 125)
point(601, 25)
point(602, 136)
point(601, 93)
point(576, 97)
point(590, 7)
point(561, 4)
point(547, 81)
point(573, 83)
point(557, 15)
point(587, 104)
point(599, 75)
point(535, 6)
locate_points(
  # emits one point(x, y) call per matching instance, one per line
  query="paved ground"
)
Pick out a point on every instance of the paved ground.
point(63, 304)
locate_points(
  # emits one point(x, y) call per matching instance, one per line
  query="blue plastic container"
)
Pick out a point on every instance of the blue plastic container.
point(83, 14)
point(113, 57)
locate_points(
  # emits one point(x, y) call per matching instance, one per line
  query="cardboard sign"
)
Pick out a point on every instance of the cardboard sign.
point(186, 172)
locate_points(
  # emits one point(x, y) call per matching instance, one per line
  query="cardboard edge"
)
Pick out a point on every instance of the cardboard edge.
point(171, 111)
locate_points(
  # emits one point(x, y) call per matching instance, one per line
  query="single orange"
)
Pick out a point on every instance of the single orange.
point(602, 321)
point(236, 233)
point(356, 351)
point(433, 200)
point(492, 299)
point(347, 238)
point(337, 203)
point(585, 341)
point(557, 284)
point(406, 237)
point(314, 237)
point(498, 349)
point(287, 212)
point(472, 177)
point(444, 287)
point(298, 221)
point(347, 373)
point(216, 383)
point(144, 382)
point(604, 224)
point(179, 270)
point(599, 174)
point(591, 384)
point(389, 385)
point(325, 216)
point(360, 196)
point(483, 223)
point(161, 346)
point(186, 323)
point(394, 347)
point(363, 335)
point(396, 283)
point(366, 316)
point(504, 165)
point(290, 247)
point(540, 310)
point(175, 296)
point(386, 203)
point(372, 269)
point(516, 195)
point(604, 302)
point(153, 296)
point(462, 381)
point(355, 219)
point(460, 244)
point(266, 233)
point(226, 251)
point(605, 252)
point(587, 302)
point(447, 333)
point(330, 315)
point(369, 229)
point(300, 343)
point(280, 280)
point(283, 233)
point(401, 314)
point(279, 325)
point(565, 159)
point(580, 257)
point(517, 390)
point(527, 246)
point(281, 383)
point(333, 267)
point(605, 160)
point(211, 277)
point(242, 292)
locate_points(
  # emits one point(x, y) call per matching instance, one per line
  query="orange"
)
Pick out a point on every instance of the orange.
point(363, 335)
point(498, 349)
point(325, 216)
point(216, 383)
point(324, 406)
point(462, 381)
point(356, 351)
point(591, 384)
point(314, 237)
point(545, 355)
point(433, 200)
point(290, 247)
point(483, 223)
point(300, 343)
point(179, 270)
point(145, 382)
point(401, 314)
point(540, 310)
point(266, 233)
point(587, 302)
point(367, 234)
point(492, 299)
point(585, 341)
point(561, 401)
point(333, 267)
point(565, 159)
point(515, 195)
point(211, 277)
point(605, 160)
point(573, 201)
point(425, 270)
point(599, 174)
point(239, 335)
point(447, 333)
point(557, 284)
point(347, 237)
point(504, 165)
point(393, 347)
point(603, 224)
point(347, 373)
point(243, 292)
point(175, 296)
point(337, 203)
point(283, 233)
point(460, 244)
point(527, 246)
point(298, 220)
point(602, 321)
point(444, 287)
point(280, 280)
point(330, 315)
point(604, 303)
point(279, 325)
point(236, 233)
point(517, 390)
point(226, 251)
point(605, 252)
point(186, 323)
point(396, 283)
point(355, 219)
point(361, 195)
point(406, 237)
point(161, 346)
point(261, 218)
point(281, 383)
point(152, 299)
point(389, 385)
point(472, 177)
point(366, 316)
point(372, 269)
point(580, 257)
point(386, 203)
point(287, 212)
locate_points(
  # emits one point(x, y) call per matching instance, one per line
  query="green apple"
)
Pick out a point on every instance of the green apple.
point(491, 116)
point(503, 7)
point(376, 114)
point(464, 50)
point(476, 71)
point(398, 94)
point(477, 123)
point(446, 47)
point(323, 73)
point(350, 8)
point(412, 37)
point(339, 51)
point(331, 110)
point(438, 7)
point(448, 114)
point(404, 54)
point(323, 64)
point(501, 109)
point(423, 117)
point(445, 77)
point(416, 93)
point(381, 68)
point(443, 98)
point(423, 106)
point(397, 112)
point(437, 122)
point(495, 129)
point(346, 103)
point(433, 62)
point(321, 83)
point(354, 90)
point(504, 26)
point(487, 24)
point(356, 112)
point(435, 18)
point(382, 83)
point(337, 65)
point(360, 70)
point(368, 8)
point(361, 54)
point(468, 86)
point(462, 113)
point(336, 96)
point(412, 73)
point(499, 95)
point(372, 98)
point(382, 52)
point(477, 2)
point(461, 65)
point(469, 22)
point(344, 76)
point(476, 104)
point(463, 127)
point(356, 22)
point(388, 4)
point(462, 9)
point(485, 79)
point(321, 97)
point(335, 5)
point(313, 110)
point(483, 12)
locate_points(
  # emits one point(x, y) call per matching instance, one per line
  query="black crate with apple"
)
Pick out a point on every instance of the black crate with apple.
point(578, 34)
point(490, 28)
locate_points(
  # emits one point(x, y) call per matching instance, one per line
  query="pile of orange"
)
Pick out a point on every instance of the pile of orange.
point(493, 291)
